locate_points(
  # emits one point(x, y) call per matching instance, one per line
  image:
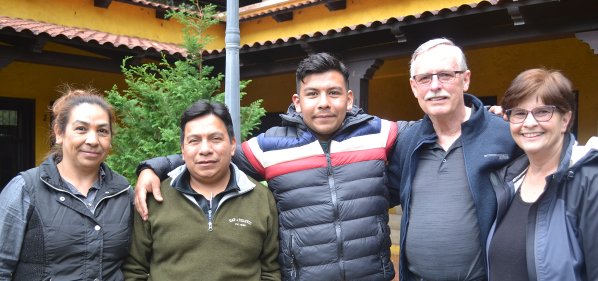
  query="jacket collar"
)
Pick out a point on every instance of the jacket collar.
point(477, 117)
point(238, 180)
point(108, 180)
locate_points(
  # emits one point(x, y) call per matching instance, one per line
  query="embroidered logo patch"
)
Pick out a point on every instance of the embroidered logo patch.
point(240, 222)
point(500, 156)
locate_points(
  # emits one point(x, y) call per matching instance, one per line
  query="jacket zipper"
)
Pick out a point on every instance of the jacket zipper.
point(382, 258)
point(337, 226)
point(293, 265)
point(210, 228)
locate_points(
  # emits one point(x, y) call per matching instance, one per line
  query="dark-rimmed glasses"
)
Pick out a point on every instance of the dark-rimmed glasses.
point(446, 76)
point(541, 114)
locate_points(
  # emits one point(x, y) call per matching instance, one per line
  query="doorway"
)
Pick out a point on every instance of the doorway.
point(17, 135)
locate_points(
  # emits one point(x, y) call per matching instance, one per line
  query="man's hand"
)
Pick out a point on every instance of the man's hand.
point(497, 109)
point(147, 182)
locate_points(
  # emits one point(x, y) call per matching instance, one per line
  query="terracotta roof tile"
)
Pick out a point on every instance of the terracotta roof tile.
point(150, 4)
point(89, 36)
point(344, 29)
point(272, 6)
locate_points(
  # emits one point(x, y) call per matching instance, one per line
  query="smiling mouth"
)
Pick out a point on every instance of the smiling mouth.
point(531, 135)
point(324, 116)
point(436, 98)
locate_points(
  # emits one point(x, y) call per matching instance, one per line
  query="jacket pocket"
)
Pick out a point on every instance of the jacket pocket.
point(289, 262)
point(384, 250)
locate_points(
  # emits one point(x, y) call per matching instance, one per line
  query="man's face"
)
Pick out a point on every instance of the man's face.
point(439, 99)
point(323, 101)
point(207, 149)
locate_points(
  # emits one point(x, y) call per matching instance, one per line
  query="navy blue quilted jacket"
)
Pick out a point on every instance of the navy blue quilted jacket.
point(333, 206)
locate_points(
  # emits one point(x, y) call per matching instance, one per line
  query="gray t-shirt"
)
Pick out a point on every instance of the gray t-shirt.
point(443, 237)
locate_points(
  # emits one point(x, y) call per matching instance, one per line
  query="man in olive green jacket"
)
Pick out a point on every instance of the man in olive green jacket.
point(216, 223)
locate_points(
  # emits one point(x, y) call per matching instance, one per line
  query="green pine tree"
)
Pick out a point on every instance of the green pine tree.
point(148, 111)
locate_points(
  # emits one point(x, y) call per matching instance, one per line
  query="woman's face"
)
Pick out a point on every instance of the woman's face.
point(537, 137)
point(87, 137)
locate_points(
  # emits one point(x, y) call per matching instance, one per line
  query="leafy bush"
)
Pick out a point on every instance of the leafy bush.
point(148, 111)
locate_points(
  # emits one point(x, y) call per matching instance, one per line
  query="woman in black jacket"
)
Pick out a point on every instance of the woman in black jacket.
point(69, 218)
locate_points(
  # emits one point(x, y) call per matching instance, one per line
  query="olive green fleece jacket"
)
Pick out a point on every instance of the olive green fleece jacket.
point(175, 243)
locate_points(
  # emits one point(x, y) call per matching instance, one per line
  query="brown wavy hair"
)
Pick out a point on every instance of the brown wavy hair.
point(61, 111)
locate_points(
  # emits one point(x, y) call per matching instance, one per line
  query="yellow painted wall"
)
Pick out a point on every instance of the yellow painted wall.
point(118, 18)
point(319, 18)
point(493, 69)
point(276, 91)
point(40, 83)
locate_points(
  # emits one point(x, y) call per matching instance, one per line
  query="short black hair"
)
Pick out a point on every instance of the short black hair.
point(202, 108)
point(320, 63)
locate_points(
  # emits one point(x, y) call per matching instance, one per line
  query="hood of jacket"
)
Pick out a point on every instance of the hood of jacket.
point(579, 152)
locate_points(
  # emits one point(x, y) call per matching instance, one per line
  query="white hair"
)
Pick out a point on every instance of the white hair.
point(432, 44)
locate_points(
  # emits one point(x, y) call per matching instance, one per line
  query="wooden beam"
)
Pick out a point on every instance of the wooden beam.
point(39, 43)
point(162, 13)
point(308, 48)
point(62, 60)
point(102, 3)
point(280, 17)
point(397, 30)
point(336, 5)
point(6, 59)
point(516, 15)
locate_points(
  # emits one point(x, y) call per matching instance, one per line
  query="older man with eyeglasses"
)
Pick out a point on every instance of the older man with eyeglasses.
point(439, 171)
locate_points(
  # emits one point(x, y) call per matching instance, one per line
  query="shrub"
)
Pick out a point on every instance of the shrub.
point(148, 111)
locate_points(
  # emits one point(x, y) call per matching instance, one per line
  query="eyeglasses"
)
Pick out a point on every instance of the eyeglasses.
point(540, 113)
point(443, 77)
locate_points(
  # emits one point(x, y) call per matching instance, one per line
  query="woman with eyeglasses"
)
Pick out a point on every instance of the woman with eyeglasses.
point(546, 224)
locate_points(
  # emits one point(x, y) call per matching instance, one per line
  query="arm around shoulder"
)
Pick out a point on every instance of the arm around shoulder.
point(240, 159)
point(161, 165)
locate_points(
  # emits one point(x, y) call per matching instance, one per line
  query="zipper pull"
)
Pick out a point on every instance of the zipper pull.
point(210, 213)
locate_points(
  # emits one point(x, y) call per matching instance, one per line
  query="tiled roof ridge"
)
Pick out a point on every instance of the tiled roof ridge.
point(89, 35)
point(424, 14)
point(152, 4)
point(265, 8)
point(272, 6)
